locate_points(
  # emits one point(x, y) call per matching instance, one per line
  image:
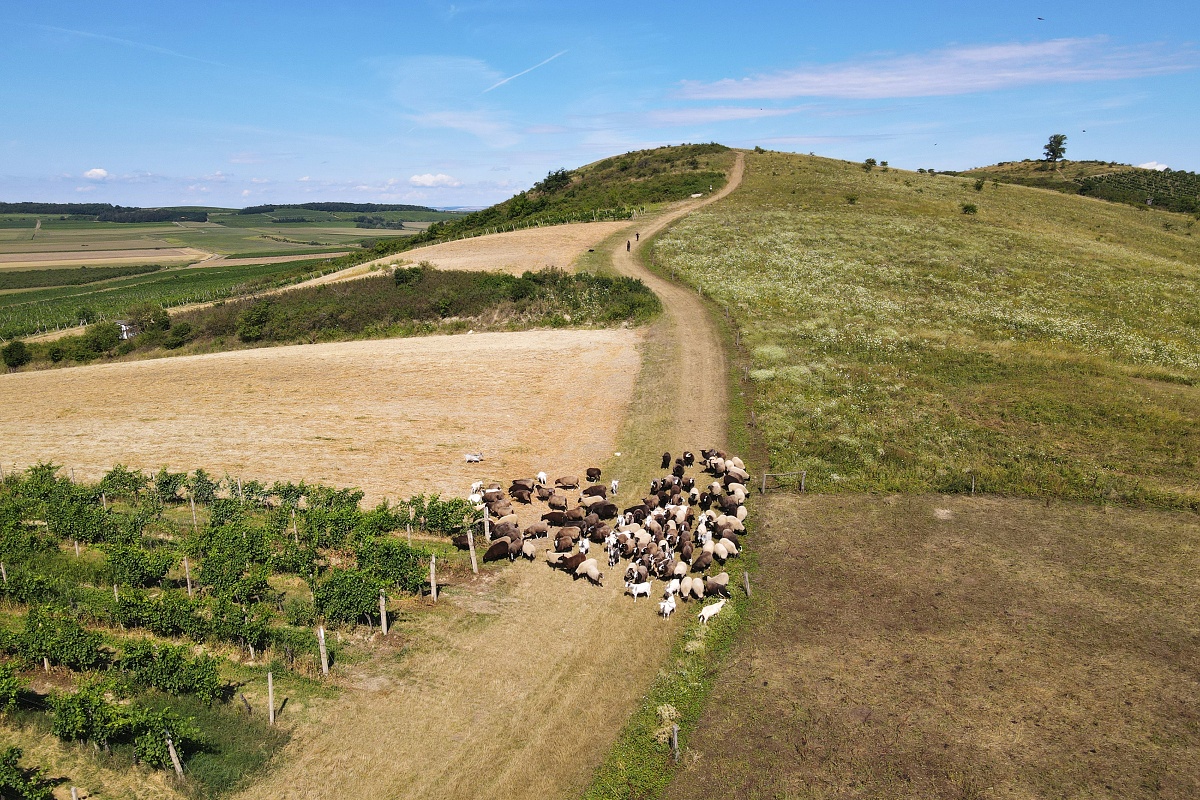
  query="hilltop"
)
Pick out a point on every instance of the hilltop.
point(1169, 190)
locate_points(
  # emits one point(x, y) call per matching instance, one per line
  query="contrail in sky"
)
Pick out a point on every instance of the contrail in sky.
point(526, 72)
point(128, 43)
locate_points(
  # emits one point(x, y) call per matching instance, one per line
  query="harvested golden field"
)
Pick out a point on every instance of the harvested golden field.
point(393, 417)
point(101, 258)
point(514, 251)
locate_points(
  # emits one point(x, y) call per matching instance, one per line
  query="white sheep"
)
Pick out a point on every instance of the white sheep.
point(541, 478)
point(708, 612)
point(637, 589)
point(612, 487)
point(672, 588)
point(667, 607)
point(584, 545)
point(477, 487)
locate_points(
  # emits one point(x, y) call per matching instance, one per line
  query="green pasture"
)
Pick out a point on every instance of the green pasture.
point(1046, 345)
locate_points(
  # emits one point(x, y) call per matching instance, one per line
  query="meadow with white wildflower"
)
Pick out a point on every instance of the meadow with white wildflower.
point(1046, 345)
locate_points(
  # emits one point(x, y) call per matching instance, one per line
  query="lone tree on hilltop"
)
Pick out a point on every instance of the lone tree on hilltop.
point(1056, 148)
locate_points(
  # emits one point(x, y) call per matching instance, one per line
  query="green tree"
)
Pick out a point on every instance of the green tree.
point(19, 783)
point(10, 686)
point(16, 354)
point(1056, 148)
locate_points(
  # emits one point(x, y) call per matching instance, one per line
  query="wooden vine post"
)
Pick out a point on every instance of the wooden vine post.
point(271, 697)
point(746, 582)
point(324, 652)
point(174, 755)
point(104, 500)
point(192, 501)
point(295, 532)
point(4, 573)
point(675, 741)
point(471, 544)
point(187, 574)
point(383, 612)
point(433, 577)
point(487, 526)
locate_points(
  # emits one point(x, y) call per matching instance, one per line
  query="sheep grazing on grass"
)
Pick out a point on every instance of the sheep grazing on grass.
point(708, 612)
point(590, 569)
point(593, 474)
point(541, 478)
point(473, 458)
point(497, 550)
point(637, 589)
point(685, 587)
point(529, 549)
point(667, 607)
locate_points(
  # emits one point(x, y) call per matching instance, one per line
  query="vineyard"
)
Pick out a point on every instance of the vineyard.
point(1170, 190)
point(132, 604)
point(39, 310)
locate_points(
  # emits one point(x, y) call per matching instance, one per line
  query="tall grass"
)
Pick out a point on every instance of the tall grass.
point(1048, 345)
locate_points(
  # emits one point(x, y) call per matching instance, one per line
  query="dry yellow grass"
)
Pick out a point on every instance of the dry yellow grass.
point(100, 258)
point(515, 251)
point(393, 417)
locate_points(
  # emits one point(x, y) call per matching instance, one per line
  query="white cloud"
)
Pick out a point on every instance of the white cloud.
point(431, 180)
point(957, 70)
point(1153, 165)
point(96, 174)
point(260, 180)
point(304, 179)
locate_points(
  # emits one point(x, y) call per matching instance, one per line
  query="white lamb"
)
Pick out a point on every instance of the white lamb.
point(708, 612)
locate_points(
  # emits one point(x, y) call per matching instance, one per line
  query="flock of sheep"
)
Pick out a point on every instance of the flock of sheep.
point(682, 526)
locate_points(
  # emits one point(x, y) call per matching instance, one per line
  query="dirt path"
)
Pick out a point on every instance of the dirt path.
point(698, 393)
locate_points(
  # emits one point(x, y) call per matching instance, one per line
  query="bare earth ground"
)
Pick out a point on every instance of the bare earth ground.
point(515, 251)
point(101, 258)
point(965, 647)
point(393, 417)
point(222, 261)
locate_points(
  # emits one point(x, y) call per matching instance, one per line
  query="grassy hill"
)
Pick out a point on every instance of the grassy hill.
point(614, 188)
point(1042, 345)
point(1169, 190)
point(988, 588)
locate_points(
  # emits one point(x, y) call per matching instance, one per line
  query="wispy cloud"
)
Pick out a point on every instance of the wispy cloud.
point(953, 71)
point(481, 124)
point(96, 174)
point(498, 84)
point(700, 116)
point(149, 48)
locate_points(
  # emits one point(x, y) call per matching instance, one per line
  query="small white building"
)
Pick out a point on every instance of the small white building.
point(128, 329)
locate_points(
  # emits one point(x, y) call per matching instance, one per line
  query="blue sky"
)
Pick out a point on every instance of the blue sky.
point(236, 103)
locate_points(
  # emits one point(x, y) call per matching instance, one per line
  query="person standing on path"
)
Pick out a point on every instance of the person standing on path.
point(637, 237)
point(626, 245)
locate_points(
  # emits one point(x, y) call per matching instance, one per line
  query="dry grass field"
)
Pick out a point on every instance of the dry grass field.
point(393, 417)
point(515, 251)
point(967, 647)
point(101, 258)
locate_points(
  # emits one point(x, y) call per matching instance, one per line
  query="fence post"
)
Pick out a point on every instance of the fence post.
point(764, 485)
point(4, 573)
point(383, 612)
point(803, 476)
point(487, 526)
point(74, 793)
point(192, 501)
point(187, 574)
point(433, 577)
point(675, 741)
point(972, 483)
point(77, 545)
point(324, 652)
point(296, 532)
point(271, 697)
point(471, 546)
point(746, 581)
point(174, 755)
point(104, 500)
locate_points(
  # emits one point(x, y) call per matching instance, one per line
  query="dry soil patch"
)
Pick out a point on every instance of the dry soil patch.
point(393, 417)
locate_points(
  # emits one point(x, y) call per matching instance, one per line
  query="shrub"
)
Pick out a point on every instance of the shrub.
point(20, 783)
point(135, 566)
point(394, 562)
point(851, 199)
point(969, 208)
point(10, 686)
point(202, 488)
point(347, 595)
point(170, 669)
point(979, 183)
point(16, 354)
point(61, 640)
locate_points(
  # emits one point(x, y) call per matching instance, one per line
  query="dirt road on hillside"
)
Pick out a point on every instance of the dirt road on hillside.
point(698, 371)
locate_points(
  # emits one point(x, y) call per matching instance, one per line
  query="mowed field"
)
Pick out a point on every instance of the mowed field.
point(515, 251)
point(965, 647)
point(101, 258)
point(393, 417)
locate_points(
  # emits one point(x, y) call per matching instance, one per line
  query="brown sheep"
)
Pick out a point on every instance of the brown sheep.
point(599, 490)
point(524, 483)
point(514, 548)
point(576, 514)
point(522, 496)
point(563, 544)
point(497, 550)
point(593, 474)
point(605, 510)
point(538, 529)
point(572, 531)
point(569, 563)
point(544, 493)
point(567, 482)
point(555, 518)
point(558, 502)
point(702, 562)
